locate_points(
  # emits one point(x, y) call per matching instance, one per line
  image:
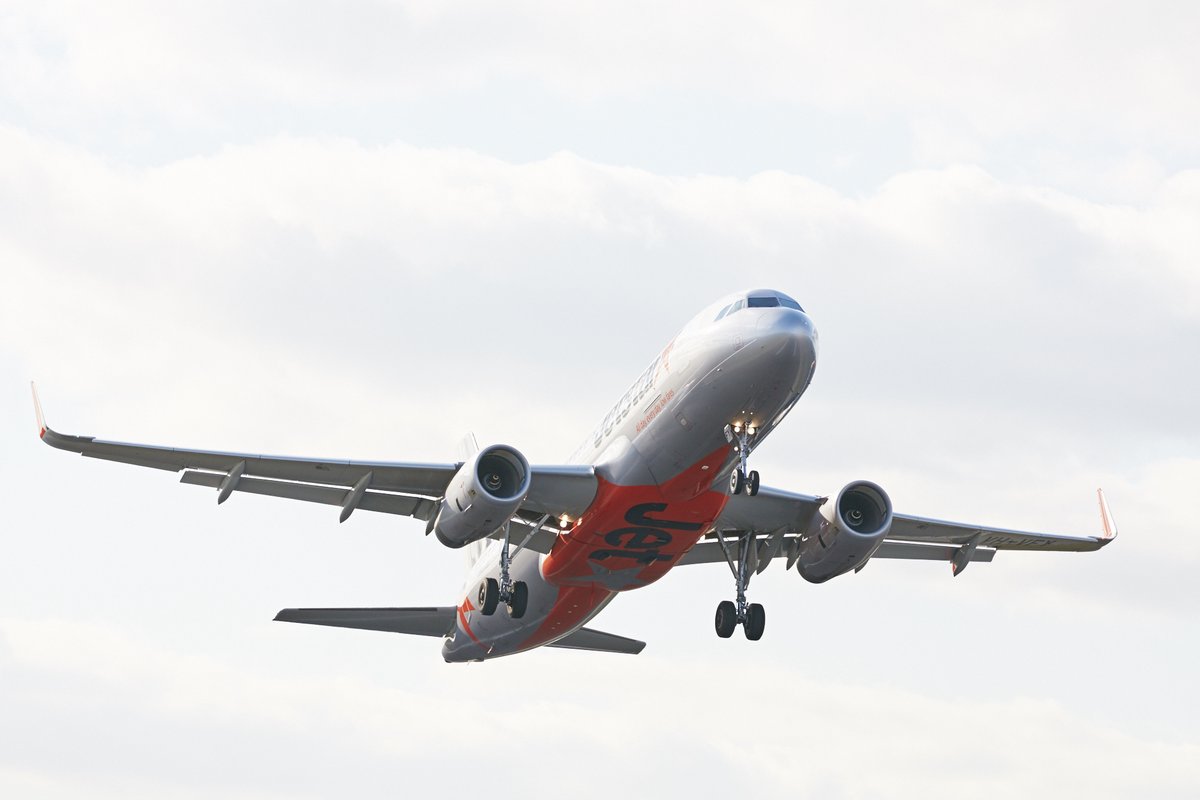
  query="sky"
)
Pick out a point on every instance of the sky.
point(362, 230)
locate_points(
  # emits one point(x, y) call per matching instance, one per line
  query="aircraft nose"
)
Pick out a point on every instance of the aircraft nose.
point(788, 329)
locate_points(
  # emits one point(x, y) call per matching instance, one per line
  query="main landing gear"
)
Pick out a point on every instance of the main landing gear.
point(751, 616)
point(515, 594)
point(740, 436)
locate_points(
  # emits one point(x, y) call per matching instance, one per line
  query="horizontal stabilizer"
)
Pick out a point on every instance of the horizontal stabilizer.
point(588, 639)
point(433, 621)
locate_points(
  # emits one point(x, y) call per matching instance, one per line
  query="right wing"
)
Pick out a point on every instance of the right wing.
point(778, 520)
point(408, 489)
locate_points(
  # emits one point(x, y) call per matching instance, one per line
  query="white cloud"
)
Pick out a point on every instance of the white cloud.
point(810, 739)
point(1094, 86)
point(1007, 318)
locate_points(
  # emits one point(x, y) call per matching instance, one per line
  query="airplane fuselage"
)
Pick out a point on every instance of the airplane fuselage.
point(662, 463)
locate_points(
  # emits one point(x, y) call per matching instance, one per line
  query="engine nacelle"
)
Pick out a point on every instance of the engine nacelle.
point(483, 495)
point(843, 535)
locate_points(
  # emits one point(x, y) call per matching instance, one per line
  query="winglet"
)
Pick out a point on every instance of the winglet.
point(37, 409)
point(1106, 518)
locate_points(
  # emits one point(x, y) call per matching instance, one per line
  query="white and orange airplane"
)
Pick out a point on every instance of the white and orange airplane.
point(663, 481)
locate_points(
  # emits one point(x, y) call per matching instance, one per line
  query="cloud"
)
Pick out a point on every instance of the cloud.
point(1030, 301)
point(991, 351)
point(1029, 88)
point(191, 713)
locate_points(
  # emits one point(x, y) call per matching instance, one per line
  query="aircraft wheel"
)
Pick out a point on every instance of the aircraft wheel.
point(726, 619)
point(519, 601)
point(489, 596)
point(752, 483)
point(756, 622)
point(737, 481)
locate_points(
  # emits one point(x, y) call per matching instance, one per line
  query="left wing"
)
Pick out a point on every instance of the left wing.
point(779, 519)
point(408, 489)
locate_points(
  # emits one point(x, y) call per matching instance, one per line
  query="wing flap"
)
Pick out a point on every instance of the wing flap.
point(431, 621)
point(929, 552)
point(419, 507)
point(711, 553)
point(599, 641)
point(921, 529)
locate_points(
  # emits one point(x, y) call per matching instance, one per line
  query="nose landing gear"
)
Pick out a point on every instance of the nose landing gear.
point(740, 436)
point(751, 616)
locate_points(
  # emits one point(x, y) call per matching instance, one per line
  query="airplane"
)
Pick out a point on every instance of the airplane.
point(663, 481)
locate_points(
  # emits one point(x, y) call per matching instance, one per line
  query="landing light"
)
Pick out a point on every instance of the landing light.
point(752, 430)
point(564, 522)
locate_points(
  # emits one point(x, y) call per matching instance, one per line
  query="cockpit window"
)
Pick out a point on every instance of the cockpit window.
point(763, 302)
point(773, 301)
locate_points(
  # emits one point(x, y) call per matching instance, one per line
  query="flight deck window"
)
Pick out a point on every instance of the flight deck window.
point(788, 302)
point(763, 302)
point(736, 307)
point(724, 311)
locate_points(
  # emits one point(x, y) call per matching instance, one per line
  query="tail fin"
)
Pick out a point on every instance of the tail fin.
point(467, 446)
point(474, 551)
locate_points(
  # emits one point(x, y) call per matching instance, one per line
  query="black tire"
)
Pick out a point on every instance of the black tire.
point(519, 600)
point(726, 620)
point(756, 622)
point(737, 481)
point(752, 483)
point(489, 596)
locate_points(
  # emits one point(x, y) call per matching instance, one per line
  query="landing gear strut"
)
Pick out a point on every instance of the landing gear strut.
point(515, 594)
point(740, 436)
point(751, 616)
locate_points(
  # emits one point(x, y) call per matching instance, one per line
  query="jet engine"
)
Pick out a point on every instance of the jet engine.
point(484, 494)
point(844, 534)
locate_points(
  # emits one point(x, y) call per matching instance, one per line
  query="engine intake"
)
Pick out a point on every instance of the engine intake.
point(484, 494)
point(844, 534)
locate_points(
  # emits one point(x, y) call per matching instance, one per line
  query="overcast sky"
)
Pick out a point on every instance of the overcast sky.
point(361, 230)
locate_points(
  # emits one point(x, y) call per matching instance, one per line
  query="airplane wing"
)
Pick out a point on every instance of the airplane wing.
point(408, 489)
point(778, 519)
